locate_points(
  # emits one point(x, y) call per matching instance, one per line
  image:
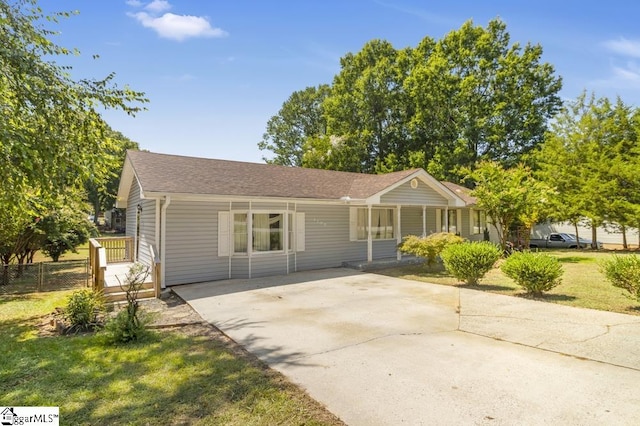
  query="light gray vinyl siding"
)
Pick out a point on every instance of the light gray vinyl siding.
point(384, 249)
point(147, 231)
point(431, 221)
point(191, 243)
point(411, 221)
point(147, 223)
point(132, 203)
point(239, 267)
point(404, 194)
point(268, 264)
point(465, 225)
point(327, 238)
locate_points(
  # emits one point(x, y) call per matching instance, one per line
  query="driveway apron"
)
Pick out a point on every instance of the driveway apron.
point(377, 350)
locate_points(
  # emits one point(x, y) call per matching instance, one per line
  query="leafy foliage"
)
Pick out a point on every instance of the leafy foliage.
point(535, 272)
point(444, 105)
point(51, 131)
point(83, 309)
point(430, 246)
point(623, 272)
point(301, 117)
point(509, 196)
point(130, 324)
point(64, 230)
point(470, 261)
point(591, 157)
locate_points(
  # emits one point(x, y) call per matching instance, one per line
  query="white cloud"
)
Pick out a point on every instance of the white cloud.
point(624, 47)
point(158, 6)
point(178, 27)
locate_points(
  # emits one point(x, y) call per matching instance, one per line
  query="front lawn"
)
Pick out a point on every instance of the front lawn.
point(174, 378)
point(583, 285)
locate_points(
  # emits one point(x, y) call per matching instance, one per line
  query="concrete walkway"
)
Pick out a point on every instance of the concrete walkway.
point(384, 351)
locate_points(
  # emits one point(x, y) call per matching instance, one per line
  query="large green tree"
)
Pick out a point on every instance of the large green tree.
point(51, 133)
point(590, 156)
point(443, 105)
point(300, 118)
point(52, 137)
point(479, 97)
point(101, 190)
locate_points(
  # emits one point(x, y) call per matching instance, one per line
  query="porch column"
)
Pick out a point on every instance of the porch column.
point(369, 237)
point(424, 221)
point(446, 219)
point(399, 235)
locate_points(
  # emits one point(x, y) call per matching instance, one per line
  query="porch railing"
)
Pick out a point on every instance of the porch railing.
point(97, 263)
point(103, 251)
point(118, 249)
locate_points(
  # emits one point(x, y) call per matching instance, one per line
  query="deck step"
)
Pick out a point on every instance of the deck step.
point(120, 296)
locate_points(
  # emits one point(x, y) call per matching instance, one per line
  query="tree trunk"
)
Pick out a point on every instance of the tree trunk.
point(594, 237)
point(625, 244)
point(575, 225)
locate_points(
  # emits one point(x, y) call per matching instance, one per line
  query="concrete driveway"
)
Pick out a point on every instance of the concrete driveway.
point(384, 351)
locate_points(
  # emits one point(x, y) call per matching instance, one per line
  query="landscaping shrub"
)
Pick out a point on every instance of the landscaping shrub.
point(470, 262)
point(83, 309)
point(130, 324)
point(430, 246)
point(623, 272)
point(535, 272)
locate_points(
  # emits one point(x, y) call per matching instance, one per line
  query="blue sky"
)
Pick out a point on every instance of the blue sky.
point(215, 71)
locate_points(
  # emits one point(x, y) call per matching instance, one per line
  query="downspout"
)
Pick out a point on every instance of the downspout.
point(369, 237)
point(399, 235)
point(163, 240)
point(157, 224)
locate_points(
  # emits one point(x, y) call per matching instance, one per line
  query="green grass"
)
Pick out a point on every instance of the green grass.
point(583, 285)
point(174, 378)
point(82, 253)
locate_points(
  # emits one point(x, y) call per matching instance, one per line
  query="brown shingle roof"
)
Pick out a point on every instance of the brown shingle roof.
point(163, 173)
point(462, 192)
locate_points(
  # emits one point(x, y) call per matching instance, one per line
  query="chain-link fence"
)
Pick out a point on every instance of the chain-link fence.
point(44, 276)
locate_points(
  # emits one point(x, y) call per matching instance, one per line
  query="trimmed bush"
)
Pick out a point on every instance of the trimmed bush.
point(535, 272)
point(470, 262)
point(430, 246)
point(623, 272)
point(83, 308)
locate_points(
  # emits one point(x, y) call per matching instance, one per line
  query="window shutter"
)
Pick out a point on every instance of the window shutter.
point(353, 223)
point(459, 222)
point(300, 232)
point(224, 225)
point(438, 220)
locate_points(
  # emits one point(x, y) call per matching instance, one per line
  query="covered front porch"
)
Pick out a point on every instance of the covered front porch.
point(111, 259)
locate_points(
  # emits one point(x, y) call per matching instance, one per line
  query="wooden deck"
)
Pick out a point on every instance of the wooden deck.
point(118, 271)
point(110, 260)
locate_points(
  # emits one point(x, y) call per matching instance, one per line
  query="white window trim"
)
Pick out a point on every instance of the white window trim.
point(298, 240)
point(353, 223)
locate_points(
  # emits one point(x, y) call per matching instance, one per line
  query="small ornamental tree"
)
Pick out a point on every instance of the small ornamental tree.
point(430, 246)
point(470, 261)
point(130, 324)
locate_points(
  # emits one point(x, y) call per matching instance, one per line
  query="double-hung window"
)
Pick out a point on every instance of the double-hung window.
point(479, 221)
point(382, 223)
point(262, 232)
